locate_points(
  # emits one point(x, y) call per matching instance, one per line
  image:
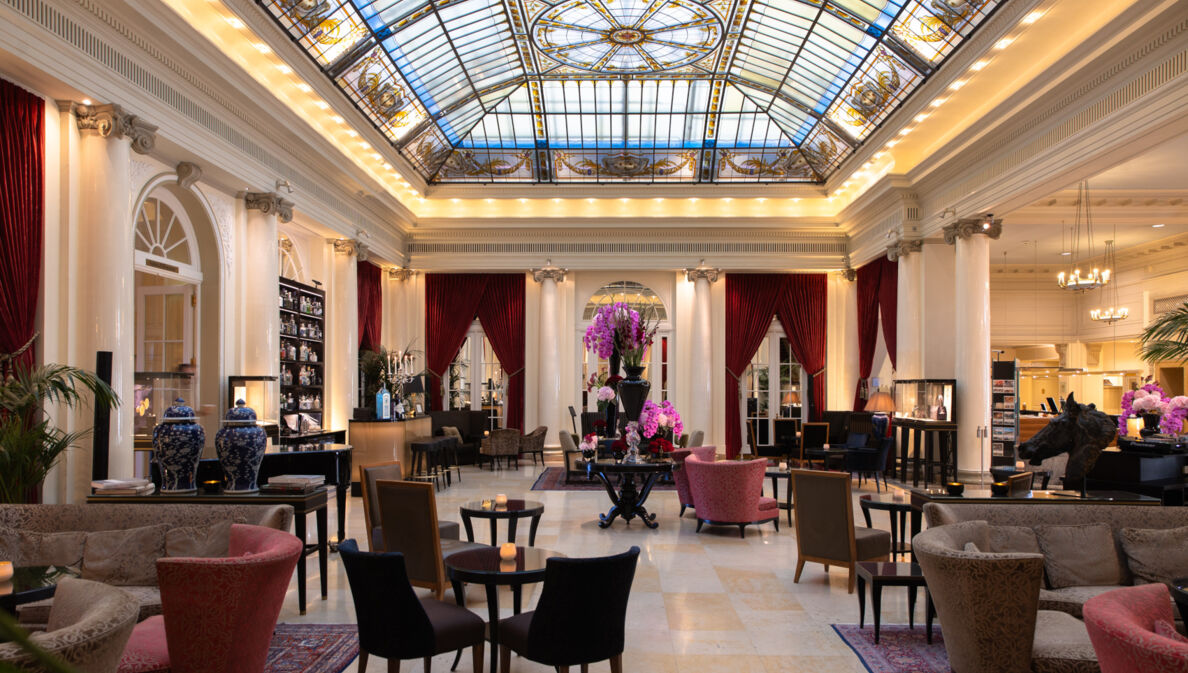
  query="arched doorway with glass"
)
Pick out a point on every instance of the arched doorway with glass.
point(773, 390)
point(476, 379)
point(656, 361)
point(177, 304)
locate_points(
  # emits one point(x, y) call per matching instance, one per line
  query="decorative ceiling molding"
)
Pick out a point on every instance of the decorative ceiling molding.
point(549, 272)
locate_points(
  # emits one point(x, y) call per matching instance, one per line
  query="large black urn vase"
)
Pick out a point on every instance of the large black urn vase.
point(612, 409)
point(633, 391)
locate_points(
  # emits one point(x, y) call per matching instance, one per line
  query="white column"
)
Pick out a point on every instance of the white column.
point(261, 292)
point(841, 344)
point(342, 325)
point(549, 395)
point(701, 379)
point(972, 336)
point(909, 356)
point(105, 275)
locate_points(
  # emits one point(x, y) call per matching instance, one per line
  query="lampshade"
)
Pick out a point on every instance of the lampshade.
point(414, 386)
point(880, 402)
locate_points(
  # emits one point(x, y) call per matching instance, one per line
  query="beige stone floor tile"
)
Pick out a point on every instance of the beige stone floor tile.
point(777, 601)
point(783, 664)
point(701, 612)
point(745, 581)
point(720, 663)
point(712, 642)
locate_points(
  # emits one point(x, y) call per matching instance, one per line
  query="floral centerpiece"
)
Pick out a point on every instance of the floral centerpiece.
point(589, 446)
point(661, 418)
point(619, 327)
point(602, 386)
point(1150, 399)
point(660, 446)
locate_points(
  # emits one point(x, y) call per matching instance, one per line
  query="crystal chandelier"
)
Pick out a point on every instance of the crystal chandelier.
point(1074, 278)
point(1115, 312)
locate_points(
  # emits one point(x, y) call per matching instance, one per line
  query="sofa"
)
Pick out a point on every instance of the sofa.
point(23, 538)
point(470, 425)
point(988, 605)
point(1076, 568)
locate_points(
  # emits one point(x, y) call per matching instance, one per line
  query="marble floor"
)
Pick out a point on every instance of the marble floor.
point(700, 603)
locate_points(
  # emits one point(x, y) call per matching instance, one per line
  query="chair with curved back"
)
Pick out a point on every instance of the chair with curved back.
point(813, 437)
point(730, 493)
point(394, 623)
point(89, 625)
point(681, 479)
point(864, 461)
point(501, 443)
point(696, 438)
point(218, 614)
point(533, 443)
point(1122, 628)
point(825, 530)
point(391, 471)
point(580, 617)
point(408, 516)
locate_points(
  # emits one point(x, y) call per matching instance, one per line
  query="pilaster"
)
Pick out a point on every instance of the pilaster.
point(342, 325)
point(549, 365)
point(701, 375)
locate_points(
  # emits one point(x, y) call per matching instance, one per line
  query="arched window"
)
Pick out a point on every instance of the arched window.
point(651, 307)
point(165, 240)
point(290, 263)
point(636, 295)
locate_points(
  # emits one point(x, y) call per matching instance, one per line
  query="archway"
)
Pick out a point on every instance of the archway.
point(641, 298)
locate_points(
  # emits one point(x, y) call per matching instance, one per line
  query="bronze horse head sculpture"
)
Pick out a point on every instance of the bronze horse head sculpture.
point(1081, 431)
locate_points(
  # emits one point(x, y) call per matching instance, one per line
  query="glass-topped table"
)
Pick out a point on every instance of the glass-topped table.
point(513, 511)
point(31, 583)
point(485, 567)
point(628, 501)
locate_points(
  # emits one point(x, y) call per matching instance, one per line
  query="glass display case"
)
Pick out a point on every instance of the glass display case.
point(153, 393)
point(258, 392)
point(926, 399)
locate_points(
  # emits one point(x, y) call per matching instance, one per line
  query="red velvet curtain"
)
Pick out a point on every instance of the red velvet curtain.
point(801, 310)
point(371, 307)
point(451, 302)
point(501, 313)
point(22, 204)
point(868, 325)
point(889, 306)
point(750, 303)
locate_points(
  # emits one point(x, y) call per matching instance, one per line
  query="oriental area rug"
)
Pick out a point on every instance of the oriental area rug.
point(312, 648)
point(553, 479)
point(900, 649)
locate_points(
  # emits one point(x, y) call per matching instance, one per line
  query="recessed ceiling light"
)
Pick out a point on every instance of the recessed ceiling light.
point(937, 103)
point(337, 119)
point(1031, 18)
point(1003, 43)
point(1065, 253)
point(86, 101)
point(262, 48)
point(285, 69)
point(904, 132)
point(1158, 226)
point(978, 66)
point(305, 87)
point(235, 22)
point(957, 85)
point(921, 117)
point(322, 104)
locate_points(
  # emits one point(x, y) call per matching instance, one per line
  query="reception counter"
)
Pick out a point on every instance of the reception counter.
point(384, 441)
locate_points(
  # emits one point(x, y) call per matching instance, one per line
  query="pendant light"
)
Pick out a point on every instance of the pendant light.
point(1074, 278)
point(1114, 311)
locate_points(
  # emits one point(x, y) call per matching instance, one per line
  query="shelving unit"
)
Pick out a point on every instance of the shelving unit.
point(1004, 412)
point(302, 359)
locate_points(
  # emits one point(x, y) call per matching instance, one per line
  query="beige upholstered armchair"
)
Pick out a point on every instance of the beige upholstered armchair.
point(89, 625)
point(533, 443)
point(504, 443)
point(825, 530)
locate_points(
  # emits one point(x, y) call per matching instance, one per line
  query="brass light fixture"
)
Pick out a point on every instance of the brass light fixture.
point(1074, 278)
point(1115, 311)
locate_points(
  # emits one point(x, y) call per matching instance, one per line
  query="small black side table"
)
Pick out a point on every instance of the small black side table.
point(775, 474)
point(891, 575)
point(513, 511)
point(33, 583)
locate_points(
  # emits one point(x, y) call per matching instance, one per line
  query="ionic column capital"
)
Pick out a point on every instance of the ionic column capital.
point(903, 247)
point(966, 228)
point(549, 272)
point(349, 247)
point(269, 203)
point(401, 274)
point(702, 271)
point(110, 121)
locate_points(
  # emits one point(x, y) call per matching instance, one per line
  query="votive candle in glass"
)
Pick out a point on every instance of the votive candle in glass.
point(5, 571)
point(507, 551)
point(501, 499)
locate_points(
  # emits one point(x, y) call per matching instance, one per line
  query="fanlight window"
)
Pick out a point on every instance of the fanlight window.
point(290, 265)
point(637, 296)
point(165, 239)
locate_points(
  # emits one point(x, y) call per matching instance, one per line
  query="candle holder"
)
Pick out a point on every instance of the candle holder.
point(211, 487)
point(500, 500)
point(955, 488)
point(507, 551)
point(999, 488)
point(5, 571)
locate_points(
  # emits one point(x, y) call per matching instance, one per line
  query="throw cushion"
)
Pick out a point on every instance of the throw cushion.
point(1077, 556)
point(33, 548)
point(210, 541)
point(451, 431)
point(1154, 554)
point(1168, 630)
point(124, 557)
point(1013, 540)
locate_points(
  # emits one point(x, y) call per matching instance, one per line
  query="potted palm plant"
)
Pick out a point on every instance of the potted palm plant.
point(30, 444)
point(1166, 338)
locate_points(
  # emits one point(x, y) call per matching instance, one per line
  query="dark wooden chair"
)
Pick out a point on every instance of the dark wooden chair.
point(825, 530)
point(391, 471)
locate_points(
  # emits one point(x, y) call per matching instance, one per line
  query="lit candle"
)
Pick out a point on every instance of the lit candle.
point(507, 566)
point(507, 551)
point(501, 499)
point(1133, 427)
point(5, 571)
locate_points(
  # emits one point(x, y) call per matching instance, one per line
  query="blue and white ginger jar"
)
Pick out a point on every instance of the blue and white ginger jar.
point(240, 445)
point(177, 442)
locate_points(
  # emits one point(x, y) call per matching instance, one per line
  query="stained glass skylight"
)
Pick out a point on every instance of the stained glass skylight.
point(661, 91)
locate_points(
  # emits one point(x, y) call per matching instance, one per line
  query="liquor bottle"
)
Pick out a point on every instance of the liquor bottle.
point(383, 404)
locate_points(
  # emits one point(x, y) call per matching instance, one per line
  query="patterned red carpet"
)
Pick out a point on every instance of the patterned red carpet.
point(900, 649)
point(312, 648)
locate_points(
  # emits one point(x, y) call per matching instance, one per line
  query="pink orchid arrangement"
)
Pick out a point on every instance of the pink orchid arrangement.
point(1149, 399)
point(589, 445)
point(619, 326)
point(654, 417)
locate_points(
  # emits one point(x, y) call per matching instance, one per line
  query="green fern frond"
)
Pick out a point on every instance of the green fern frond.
point(1166, 339)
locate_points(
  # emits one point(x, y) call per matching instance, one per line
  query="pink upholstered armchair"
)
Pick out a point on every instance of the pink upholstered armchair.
point(219, 613)
point(681, 480)
point(1121, 624)
point(729, 493)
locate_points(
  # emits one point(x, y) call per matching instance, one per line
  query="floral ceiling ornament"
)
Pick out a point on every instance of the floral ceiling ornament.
point(627, 165)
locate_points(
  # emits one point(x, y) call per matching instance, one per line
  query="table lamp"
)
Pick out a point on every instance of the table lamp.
point(880, 403)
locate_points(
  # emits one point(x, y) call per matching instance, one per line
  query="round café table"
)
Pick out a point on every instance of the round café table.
point(32, 583)
point(896, 509)
point(483, 566)
point(513, 511)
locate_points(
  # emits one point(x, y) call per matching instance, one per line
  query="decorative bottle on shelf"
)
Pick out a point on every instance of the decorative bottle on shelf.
point(942, 414)
point(383, 404)
point(313, 355)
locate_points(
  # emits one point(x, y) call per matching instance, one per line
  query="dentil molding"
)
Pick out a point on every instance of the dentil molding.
point(269, 203)
point(966, 228)
point(110, 121)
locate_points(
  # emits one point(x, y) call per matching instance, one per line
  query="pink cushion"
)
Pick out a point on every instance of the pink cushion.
point(1121, 625)
point(728, 491)
point(766, 503)
point(146, 651)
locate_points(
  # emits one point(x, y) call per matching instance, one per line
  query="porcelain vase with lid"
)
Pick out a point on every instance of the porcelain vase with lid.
point(240, 445)
point(177, 444)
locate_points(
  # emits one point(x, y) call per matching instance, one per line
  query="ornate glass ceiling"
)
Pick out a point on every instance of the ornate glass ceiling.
point(674, 91)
